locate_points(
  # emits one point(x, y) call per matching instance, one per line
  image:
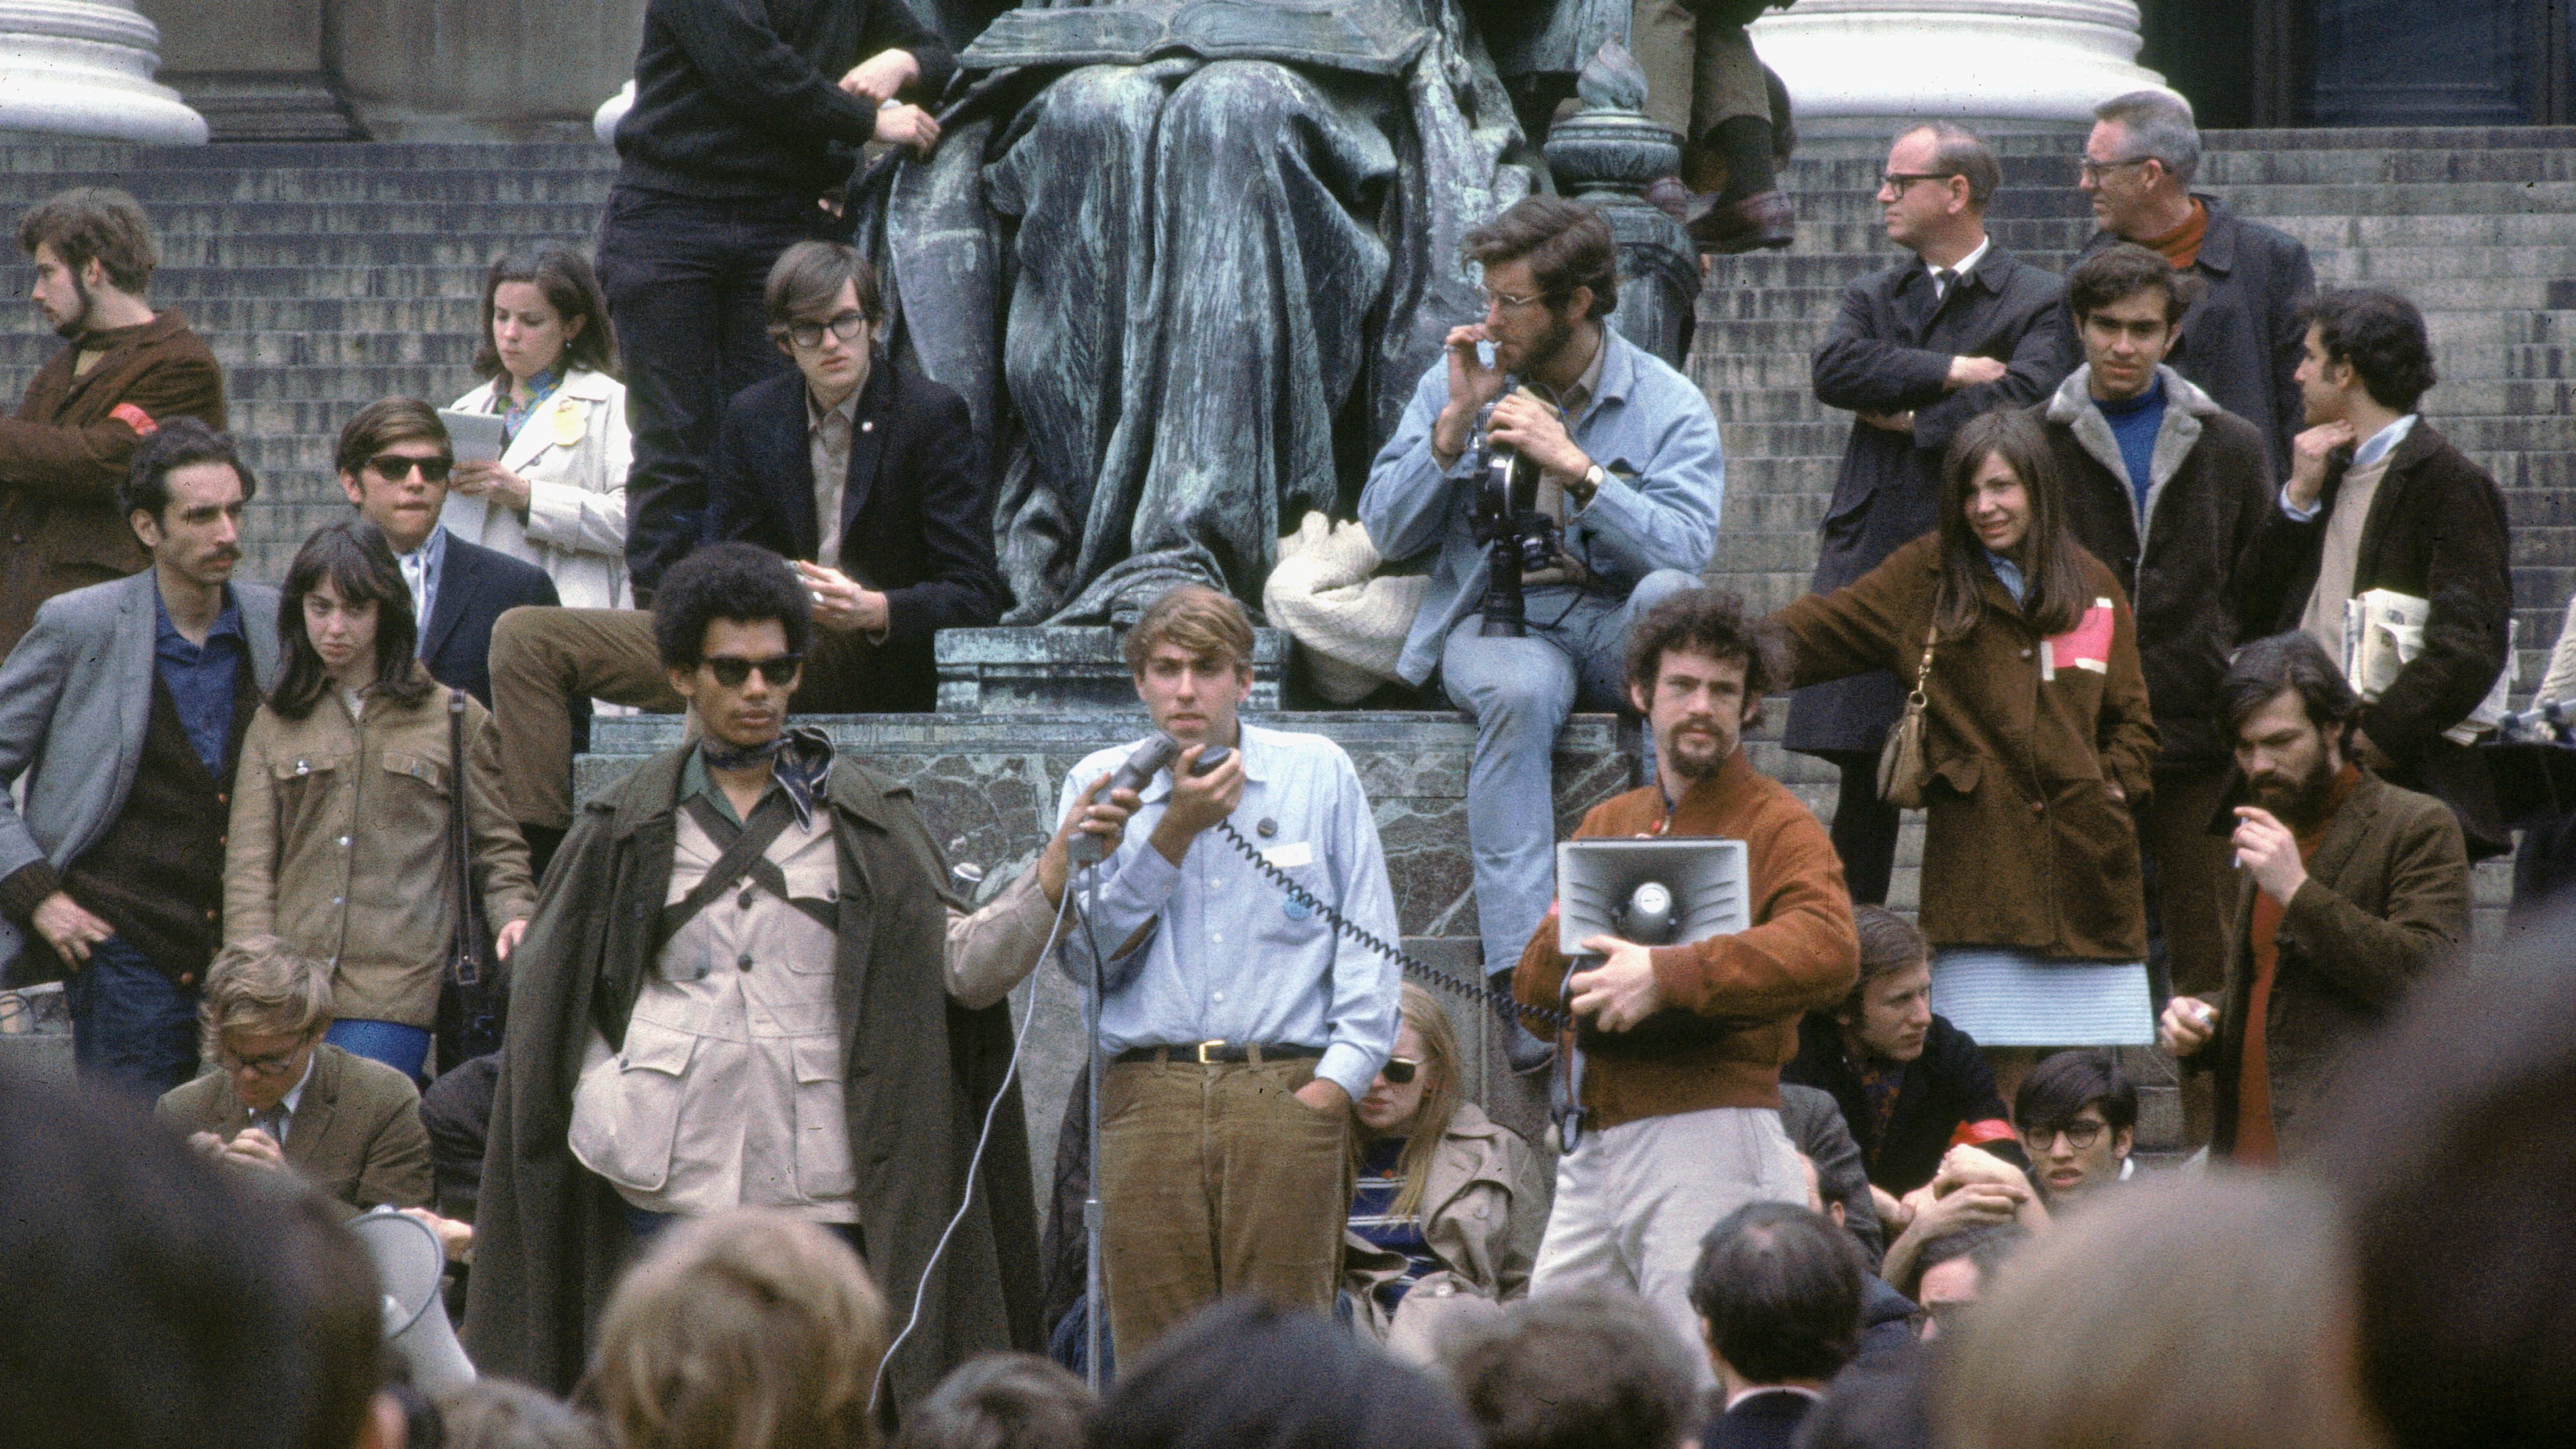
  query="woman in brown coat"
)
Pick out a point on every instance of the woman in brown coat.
point(2038, 744)
point(341, 804)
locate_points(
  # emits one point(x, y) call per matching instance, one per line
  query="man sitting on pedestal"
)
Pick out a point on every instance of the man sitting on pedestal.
point(746, 984)
point(1630, 480)
point(869, 476)
point(1682, 1044)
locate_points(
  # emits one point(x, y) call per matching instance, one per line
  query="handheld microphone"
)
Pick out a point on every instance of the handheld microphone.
point(1150, 757)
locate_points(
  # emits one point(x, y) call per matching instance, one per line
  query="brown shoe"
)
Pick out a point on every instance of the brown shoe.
point(1766, 221)
point(1668, 195)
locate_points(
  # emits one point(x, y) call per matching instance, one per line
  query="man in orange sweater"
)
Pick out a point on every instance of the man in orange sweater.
point(1683, 1044)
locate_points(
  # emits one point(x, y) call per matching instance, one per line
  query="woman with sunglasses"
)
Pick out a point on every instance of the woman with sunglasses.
point(1448, 1202)
point(556, 497)
point(2037, 743)
point(340, 815)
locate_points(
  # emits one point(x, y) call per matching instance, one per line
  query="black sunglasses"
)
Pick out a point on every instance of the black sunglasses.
point(394, 467)
point(731, 671)
point(1400, 1070)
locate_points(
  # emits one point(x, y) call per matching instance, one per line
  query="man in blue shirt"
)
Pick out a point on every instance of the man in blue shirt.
point(1239, 1027)
point(124, 707)
point(2169, 490)
point(1631, 471)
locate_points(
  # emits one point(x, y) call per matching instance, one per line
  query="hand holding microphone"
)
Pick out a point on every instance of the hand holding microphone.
point(1201, 776)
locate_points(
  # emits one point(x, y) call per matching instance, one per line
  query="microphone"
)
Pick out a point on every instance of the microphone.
point(1648, 918)
point(1154, 754)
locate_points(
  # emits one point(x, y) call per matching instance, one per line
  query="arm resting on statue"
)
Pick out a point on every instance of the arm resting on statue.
point(747, 66)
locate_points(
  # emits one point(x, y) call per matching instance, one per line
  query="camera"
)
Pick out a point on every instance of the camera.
point(1517, 536)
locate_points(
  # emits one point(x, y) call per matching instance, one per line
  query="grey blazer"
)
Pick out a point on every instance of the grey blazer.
point(75, 696)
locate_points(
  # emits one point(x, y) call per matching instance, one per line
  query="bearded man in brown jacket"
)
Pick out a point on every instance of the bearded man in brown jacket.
point(127, 370)
point(1683, 1044)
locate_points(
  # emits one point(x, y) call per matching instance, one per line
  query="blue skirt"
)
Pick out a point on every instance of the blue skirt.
point(2014, 999)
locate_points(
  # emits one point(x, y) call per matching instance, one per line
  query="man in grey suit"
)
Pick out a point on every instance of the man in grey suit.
point(124, 707)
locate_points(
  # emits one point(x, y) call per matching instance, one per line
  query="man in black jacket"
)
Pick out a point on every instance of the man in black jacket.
point(2168, 489)
point(887, 457)
point(2239, 342)
point(747, 116)
point(2378, 500)
point(1919, 349)
point(1910, 1084)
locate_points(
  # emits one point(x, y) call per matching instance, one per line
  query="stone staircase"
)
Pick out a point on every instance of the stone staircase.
point(2473, 224)
point(323, 276)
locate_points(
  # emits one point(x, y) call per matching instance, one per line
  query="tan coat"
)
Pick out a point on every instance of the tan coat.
point(1484, 1209)
point(574, 451)
point(339, 837)
point(2024, 846)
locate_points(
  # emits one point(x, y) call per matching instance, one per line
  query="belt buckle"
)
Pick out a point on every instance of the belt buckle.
point(1204, 1059)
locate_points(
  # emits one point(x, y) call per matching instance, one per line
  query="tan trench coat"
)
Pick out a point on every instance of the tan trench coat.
point(1484, 1209)
point(339, 837)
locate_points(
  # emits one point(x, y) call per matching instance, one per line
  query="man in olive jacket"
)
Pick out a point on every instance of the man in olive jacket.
point(2353, 889)
point(905, 1040)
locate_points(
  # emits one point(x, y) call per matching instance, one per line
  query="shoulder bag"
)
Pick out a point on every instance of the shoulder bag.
point(471, 999)
point(1902, 773)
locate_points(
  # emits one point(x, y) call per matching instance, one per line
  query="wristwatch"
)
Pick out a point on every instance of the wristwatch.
point(1593, 478)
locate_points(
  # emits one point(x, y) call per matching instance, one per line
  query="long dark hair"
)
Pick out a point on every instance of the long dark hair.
point(354, 556)
point(2052, 597)
point(572, 289)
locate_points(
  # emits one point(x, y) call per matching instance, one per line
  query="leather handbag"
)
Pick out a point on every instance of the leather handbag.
point(472, 998)
point(1902, 774)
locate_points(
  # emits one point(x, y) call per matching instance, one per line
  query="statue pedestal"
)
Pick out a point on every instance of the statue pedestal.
point(986, 779)
point(1864, 66)
point(82, 69)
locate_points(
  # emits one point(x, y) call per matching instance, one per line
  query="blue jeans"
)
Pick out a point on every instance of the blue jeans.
point(403, 1048)
point(1520, 692)
point(134, 1030)
point(684, 276)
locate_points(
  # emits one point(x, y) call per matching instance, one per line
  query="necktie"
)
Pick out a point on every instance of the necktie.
point(415, 573)
point(272, 1122)
point(1942, 277)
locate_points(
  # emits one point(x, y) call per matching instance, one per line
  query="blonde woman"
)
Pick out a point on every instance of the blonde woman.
point(1448, 1201)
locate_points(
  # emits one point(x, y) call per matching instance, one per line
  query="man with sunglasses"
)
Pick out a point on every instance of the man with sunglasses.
point(394, 460)
point(282, 1098)
point(1629, 469)
point(2240, 340)
point(868, 476)
point(1919, 348)
point(746, 984)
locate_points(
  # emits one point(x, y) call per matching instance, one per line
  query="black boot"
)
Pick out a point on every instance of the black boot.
point(1526, 1052)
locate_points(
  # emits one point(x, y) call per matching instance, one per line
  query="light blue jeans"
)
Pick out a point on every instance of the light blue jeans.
point(1520, 692)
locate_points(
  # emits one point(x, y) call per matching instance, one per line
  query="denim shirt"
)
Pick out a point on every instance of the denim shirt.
point(1650, 429)
point(200, 677)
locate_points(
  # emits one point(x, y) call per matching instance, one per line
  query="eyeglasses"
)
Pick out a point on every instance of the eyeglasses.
point(732, 670)
point(1897, 181)
point(847, 327)
point(395, 467)
point(2079, 1135)
point(2091, 170)
point(1400, 1070)
point(1945, 1313)
point(1505, 301)
point(273, 1064)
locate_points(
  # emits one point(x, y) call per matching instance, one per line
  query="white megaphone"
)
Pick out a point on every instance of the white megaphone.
point(1652, 892)
point(408, 1261)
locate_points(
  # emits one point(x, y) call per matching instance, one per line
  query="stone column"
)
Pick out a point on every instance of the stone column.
point(1860, 66)
point(83, 68)
point(1606, 154)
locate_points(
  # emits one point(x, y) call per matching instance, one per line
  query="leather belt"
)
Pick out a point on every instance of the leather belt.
point(1209, 1053)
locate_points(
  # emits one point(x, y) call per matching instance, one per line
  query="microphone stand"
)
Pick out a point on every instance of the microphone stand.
point(1094, 1276)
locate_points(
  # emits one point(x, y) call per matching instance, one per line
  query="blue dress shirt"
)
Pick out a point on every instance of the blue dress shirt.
point(200, 677)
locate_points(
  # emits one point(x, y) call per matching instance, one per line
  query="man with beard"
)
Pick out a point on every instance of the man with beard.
point(1681, 1045)
point(128, 370)
point(2353, 889)
point(124, 709)
point(1629, 471)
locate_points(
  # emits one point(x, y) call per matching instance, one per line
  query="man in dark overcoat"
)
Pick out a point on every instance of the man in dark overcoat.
point(671, 1057)
point(1919, 349)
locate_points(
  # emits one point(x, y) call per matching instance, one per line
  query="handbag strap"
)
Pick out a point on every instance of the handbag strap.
point(1923, 671)
point(464, 952)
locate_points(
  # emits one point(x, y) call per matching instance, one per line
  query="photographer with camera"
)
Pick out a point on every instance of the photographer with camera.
point(1587, 509)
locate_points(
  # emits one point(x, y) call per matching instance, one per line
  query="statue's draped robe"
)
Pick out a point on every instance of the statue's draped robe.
point(1188, 296)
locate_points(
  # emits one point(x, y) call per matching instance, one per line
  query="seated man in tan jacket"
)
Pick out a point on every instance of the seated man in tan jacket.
point(283, 1098)
point(1683, 1044)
